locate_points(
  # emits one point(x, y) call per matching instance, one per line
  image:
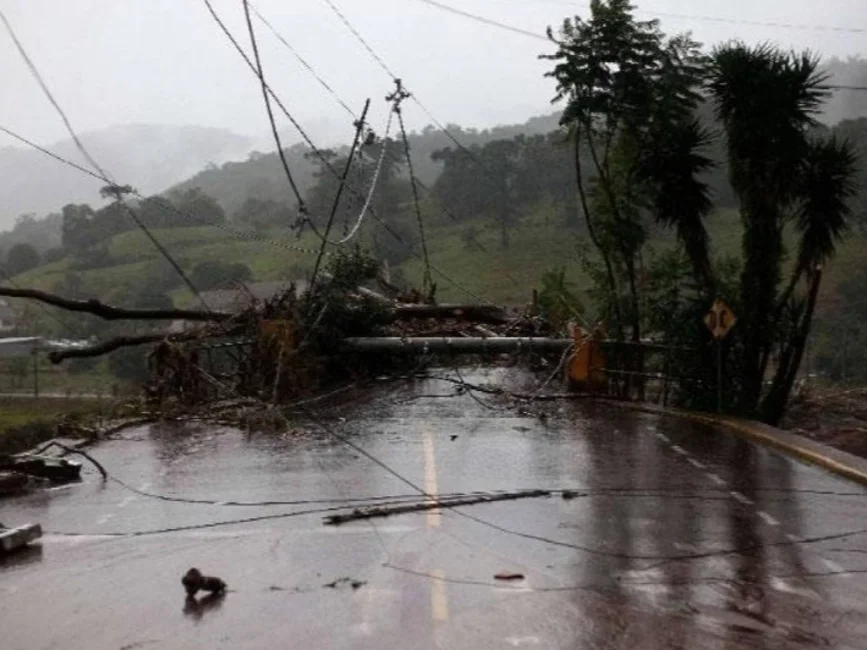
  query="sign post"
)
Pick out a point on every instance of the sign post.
point(719, 320)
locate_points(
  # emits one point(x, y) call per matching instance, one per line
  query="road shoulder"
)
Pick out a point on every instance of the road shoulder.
point(833, 460)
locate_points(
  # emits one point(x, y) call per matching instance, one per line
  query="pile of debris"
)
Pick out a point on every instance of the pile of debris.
point(40, 467)
point(298, 343)
point(832, 415)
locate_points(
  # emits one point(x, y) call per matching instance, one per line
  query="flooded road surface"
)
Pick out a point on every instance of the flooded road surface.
point(678, 538)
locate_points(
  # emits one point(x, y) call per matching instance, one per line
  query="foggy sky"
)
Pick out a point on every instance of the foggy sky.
point(165, 61)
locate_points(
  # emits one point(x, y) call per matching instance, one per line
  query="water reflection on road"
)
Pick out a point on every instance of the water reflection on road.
point(679, 538)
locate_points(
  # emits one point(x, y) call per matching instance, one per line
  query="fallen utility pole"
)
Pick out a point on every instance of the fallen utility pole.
point(468, 345)
point(431, 504)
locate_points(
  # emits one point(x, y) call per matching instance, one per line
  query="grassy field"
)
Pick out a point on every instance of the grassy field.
point(16, 411)
point(506, 276)
point(26, 422)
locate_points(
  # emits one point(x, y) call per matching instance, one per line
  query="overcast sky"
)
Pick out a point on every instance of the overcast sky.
point(165, 61)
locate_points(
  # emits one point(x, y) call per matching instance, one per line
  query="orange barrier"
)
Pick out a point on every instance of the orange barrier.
point(586, 368)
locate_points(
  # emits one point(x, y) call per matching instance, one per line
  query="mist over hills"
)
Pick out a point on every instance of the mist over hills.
point(150, 157)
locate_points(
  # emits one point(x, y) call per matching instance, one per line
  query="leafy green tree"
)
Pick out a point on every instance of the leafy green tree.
point(263, 214)
point(390, 195)
point(496, 180)
point(855, 132)
point(502, 172)
point(632, 99)
point(76, 233)
point(783, 174)
point(460, 186)
point(558, 302)
point(159, 212)
point(110, 220)
point(159, 276)
point(53, 255)
point(207, 275)
point(631, 96)
point(195, 203)
point(21, 258)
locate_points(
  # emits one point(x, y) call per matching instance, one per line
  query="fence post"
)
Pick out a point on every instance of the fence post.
point(719, 374)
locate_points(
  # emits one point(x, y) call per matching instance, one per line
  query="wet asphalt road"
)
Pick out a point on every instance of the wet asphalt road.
point(682, 538)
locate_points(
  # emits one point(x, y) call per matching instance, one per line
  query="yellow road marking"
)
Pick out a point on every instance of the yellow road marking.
point(439, 605)
point(434, 518)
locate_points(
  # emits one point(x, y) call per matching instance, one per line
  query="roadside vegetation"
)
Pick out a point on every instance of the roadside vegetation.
point(653, 190)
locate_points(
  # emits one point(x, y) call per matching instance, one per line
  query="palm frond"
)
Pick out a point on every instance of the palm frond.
point(766, 99)
point(679, 198)
point(827, 185)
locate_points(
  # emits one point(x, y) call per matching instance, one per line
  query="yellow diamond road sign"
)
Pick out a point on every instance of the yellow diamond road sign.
point(720, 319)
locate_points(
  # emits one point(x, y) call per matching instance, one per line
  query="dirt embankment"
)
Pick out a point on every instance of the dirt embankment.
point(835, 416)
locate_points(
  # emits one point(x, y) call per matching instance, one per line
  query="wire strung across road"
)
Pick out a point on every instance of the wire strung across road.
point(650, 12)
point(486, 21)
point(235, 232)
point(112, 185)
point(413, 96)
point(260, 72)
point(373, 185)
point(410, 249)
point(442, 127)
point(303, 61)
point(356, 141)
point(346, 107)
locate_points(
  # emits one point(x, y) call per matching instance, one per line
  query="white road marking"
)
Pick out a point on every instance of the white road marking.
point(520, 641)
point(768, 519)
point(836, 568)
point(716, 479)
point(696, 463)
point(742, 498)
point(679, 450)
point(793, 538)
point(781, 585)
point(663, 437)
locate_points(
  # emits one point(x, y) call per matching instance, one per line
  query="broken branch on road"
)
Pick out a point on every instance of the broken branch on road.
point(435, 504)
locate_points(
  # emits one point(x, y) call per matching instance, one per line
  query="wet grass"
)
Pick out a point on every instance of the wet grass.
point(27, 421)
point(540, 242)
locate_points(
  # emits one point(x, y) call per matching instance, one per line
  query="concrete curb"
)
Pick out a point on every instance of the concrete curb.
point(809, 451)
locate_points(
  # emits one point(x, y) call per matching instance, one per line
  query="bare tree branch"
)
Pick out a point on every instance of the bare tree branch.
point(120, 342)
point(108, 312)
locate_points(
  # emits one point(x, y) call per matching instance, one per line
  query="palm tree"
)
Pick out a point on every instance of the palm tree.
point(782, 173)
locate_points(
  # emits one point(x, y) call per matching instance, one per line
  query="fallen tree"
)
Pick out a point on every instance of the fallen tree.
point(110, 345)
point(291, 345)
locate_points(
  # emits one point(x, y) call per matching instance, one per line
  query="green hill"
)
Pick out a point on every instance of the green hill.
point(540, 242)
